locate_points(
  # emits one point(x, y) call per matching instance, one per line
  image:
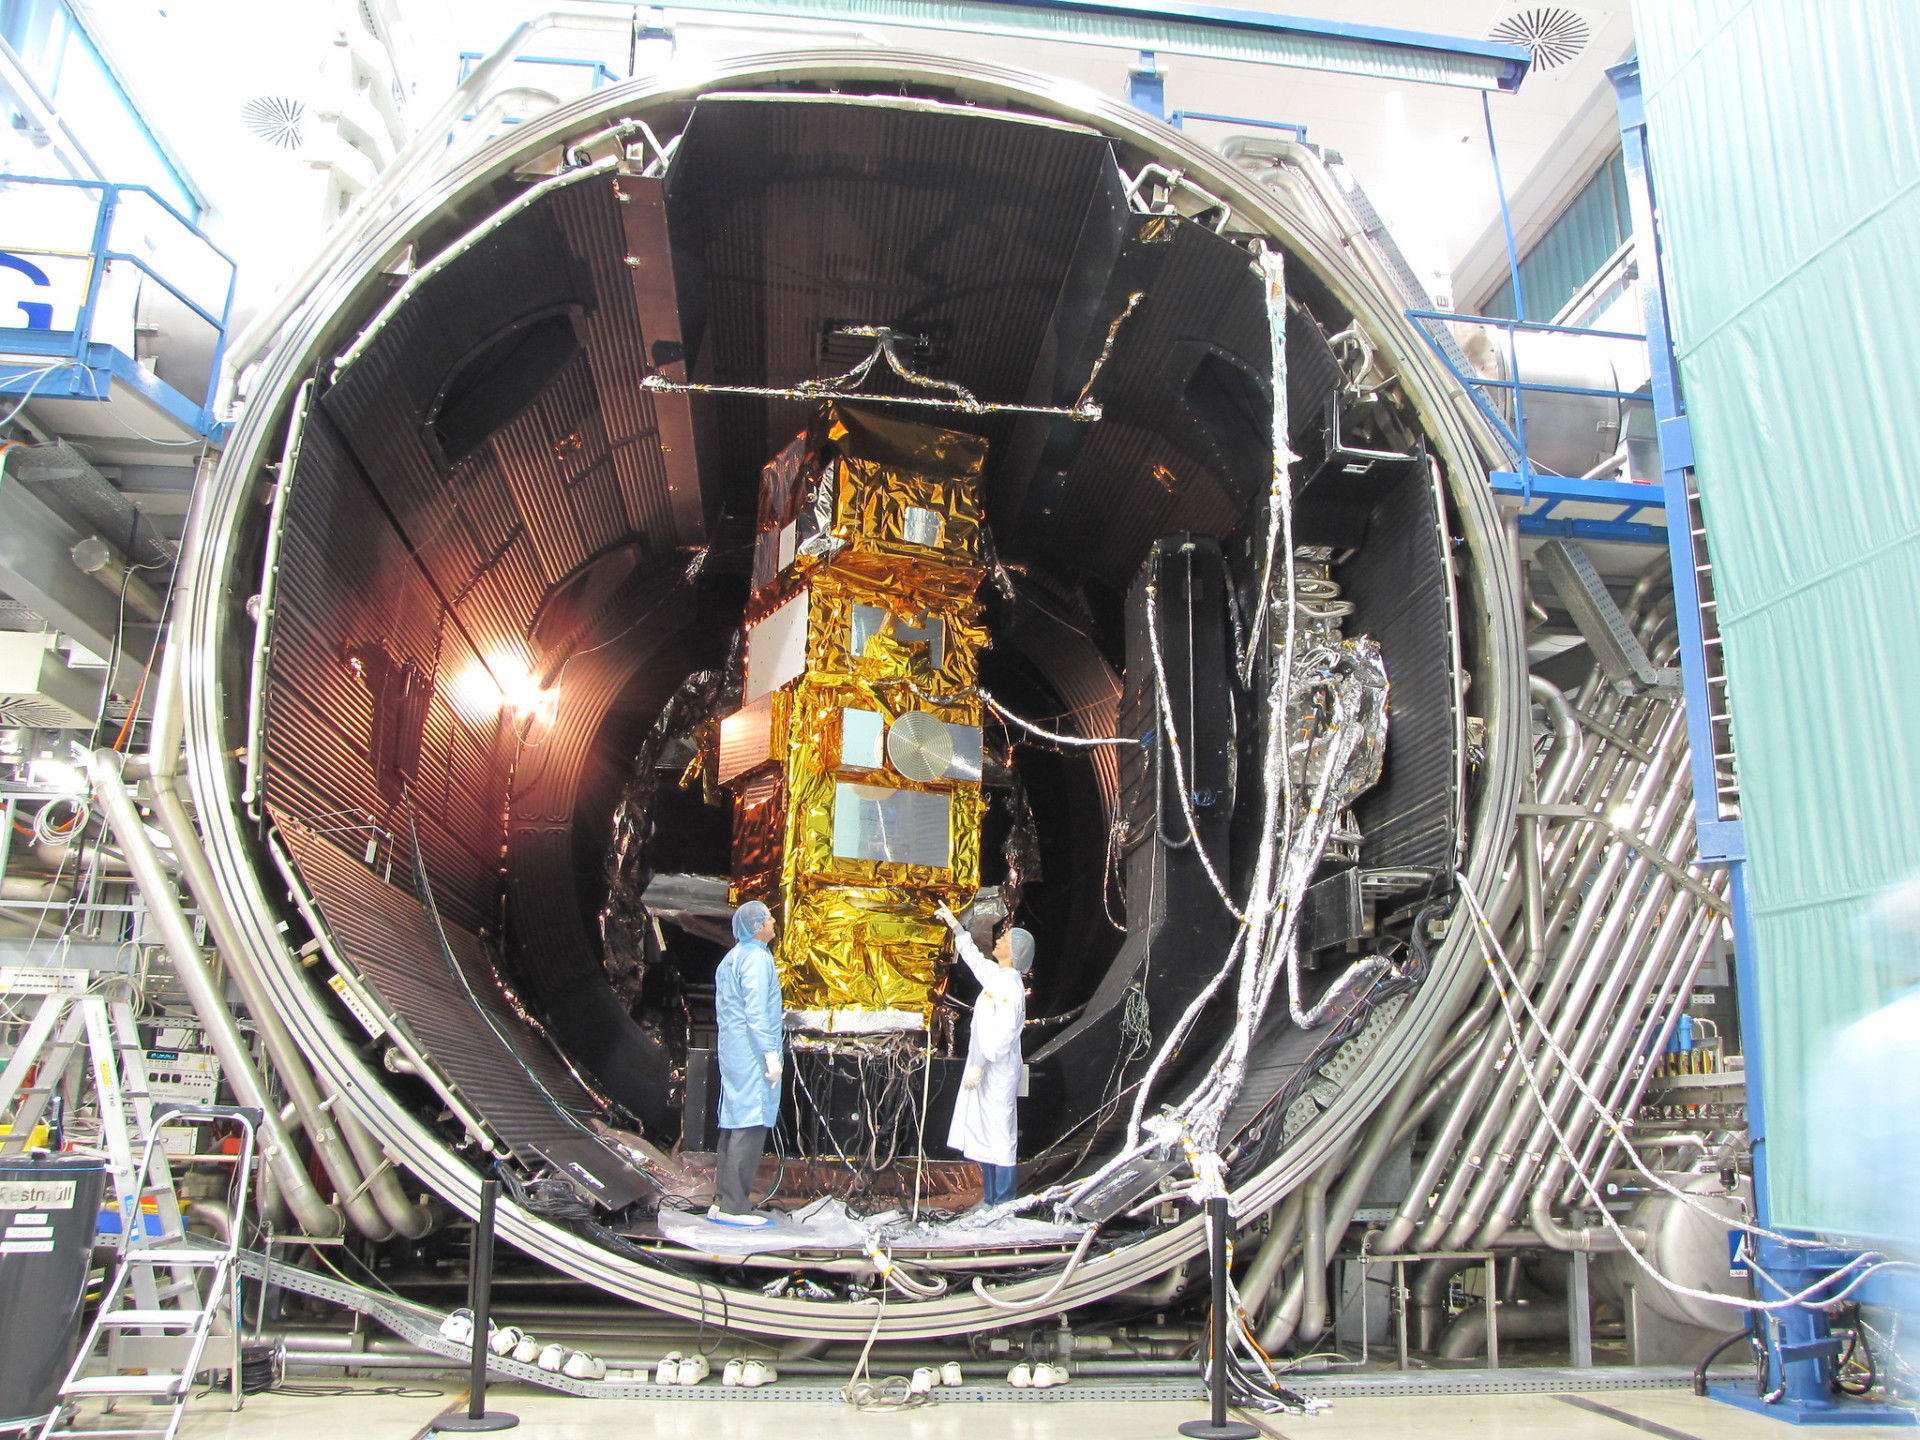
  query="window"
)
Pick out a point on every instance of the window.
point(1595, 223)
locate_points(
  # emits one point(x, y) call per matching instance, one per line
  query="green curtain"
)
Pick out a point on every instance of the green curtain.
point(1785, 156)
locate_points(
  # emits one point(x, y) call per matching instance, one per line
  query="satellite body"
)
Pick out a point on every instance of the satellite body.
point(856, 754)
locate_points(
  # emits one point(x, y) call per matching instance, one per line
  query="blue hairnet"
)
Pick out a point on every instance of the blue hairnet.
point(1020, 946)
point(749, 918)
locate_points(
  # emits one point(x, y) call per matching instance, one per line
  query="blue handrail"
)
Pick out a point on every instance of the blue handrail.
point(1515, 434)
point(100, 255)
point(1506, 324)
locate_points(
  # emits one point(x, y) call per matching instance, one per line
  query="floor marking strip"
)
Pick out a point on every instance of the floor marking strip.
point(1258, 1422)
point(1652, 1427)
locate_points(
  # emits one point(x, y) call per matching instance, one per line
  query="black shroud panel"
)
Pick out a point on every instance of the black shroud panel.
point(452, 1004)
point(1401, 584)
point(791, 217)
point(412, 577)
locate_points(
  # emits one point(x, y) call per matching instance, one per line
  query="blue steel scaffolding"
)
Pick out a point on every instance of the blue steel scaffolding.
point(71, 364)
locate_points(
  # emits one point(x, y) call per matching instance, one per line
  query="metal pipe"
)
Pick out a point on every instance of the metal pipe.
point(1160, 1292)
point(1427, 1297)
point(1471, 1030)
point(383, 1180)
point(1502, 1154)
point(1406, 1229)
point(1633, 1079)
point(1313, 1265)
point(1383, 1133)
point(1612, 462)
point(1599, 1063)
point(1529, 1320)
point(1593, 1239)
point(272, 1206)
point(163, 905)
point(1635, 1042)
point(1569, 981)
point(1434, 1091)
point(217, 1218)
point(1302, 1312)
point(1286, 1319)
point(1598, 966)
point(1471, 1035)
point(1608, 732)
point(1440, 1173)
point(1566, 732)
point(35, 888)
point(1273, 1254)
point(1624, 993)
point(1636, 962)
point(95, 557)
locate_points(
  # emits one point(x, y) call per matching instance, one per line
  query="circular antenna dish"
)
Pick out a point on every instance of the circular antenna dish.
point(919, 746)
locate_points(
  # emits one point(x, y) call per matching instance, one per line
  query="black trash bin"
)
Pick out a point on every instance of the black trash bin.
point(49, 1210)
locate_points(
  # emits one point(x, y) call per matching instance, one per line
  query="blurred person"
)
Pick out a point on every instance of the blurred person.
point(1862, 1126)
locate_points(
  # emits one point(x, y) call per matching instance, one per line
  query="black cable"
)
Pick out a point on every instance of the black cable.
point(263, 1370)
point(1700, 1370)
point(1856, 1343)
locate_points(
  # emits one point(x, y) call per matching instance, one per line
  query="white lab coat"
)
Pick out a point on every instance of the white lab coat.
point(985, 1126)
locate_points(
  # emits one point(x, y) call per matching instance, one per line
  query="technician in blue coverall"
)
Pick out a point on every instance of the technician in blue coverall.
point(746, 1000)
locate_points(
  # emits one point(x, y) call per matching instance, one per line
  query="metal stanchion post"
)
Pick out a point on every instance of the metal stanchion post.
point(479, 1294)
point(1218, 1427)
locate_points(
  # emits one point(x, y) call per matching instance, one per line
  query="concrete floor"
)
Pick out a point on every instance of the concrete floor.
point(1673, 1414)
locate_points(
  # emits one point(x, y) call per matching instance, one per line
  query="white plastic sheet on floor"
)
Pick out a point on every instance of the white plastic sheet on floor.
point(827, 1224)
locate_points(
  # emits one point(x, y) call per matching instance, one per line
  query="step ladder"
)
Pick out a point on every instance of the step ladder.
point(151, 1334)
point(73, 1024)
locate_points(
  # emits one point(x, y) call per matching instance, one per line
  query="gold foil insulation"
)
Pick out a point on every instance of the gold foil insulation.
point(874, 525)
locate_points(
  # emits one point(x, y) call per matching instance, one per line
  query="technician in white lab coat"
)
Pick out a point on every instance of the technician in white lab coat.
point(986, 1127)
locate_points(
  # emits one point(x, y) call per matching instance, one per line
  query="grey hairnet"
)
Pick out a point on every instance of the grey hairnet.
point(749, 918)
point(1020, 946)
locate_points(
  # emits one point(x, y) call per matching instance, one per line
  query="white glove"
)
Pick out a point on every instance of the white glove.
point(773, 1071)
point(941, 912)
point(971, 1080)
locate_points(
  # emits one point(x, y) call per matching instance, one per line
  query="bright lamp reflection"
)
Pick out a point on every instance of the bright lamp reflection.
point(504, 681)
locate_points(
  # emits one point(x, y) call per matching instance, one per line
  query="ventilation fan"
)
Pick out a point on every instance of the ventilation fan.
point(275, 119)
point(1554, 34)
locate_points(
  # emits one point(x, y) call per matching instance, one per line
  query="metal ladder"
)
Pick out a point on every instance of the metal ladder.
point(1726, 776)
point(159, 1312)
point(71, 1021)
